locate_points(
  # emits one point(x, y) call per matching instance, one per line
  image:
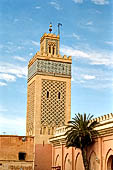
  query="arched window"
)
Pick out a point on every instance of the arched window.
point(49, 49)
point(59, 95)
point(110, 162)
point(47, 94)
point(52, 130)
point(48, 131)
point(53, 50)
point(41, 131)
point(44, 130)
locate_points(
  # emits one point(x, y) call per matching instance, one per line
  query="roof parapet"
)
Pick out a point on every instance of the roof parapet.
point(65, 58)
point(103, 118)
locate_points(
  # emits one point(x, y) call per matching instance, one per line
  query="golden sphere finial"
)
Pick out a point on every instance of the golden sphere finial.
point(50, 27)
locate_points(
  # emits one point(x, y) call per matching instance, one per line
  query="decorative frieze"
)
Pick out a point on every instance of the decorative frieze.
point(32, 69)
point(50, 67)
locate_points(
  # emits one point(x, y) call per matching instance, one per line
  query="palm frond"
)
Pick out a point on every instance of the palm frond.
point(80, 131)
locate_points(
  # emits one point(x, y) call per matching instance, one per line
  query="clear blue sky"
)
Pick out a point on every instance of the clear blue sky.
point(86, 35)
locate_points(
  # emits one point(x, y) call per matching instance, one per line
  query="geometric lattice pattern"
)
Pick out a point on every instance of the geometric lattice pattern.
point(30, 107)
point(53, 104)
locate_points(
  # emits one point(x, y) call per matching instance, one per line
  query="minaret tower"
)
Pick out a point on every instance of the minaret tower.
point(49, 89)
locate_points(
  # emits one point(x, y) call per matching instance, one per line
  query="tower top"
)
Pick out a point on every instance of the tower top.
point(49, 36)
point(49, 49)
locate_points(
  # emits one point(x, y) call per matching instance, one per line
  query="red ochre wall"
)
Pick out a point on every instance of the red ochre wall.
point(100, 155)
point(68, 159)
point(43, 157)
point(10, 147)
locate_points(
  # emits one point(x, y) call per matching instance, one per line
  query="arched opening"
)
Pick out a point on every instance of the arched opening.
point(53, 50)
point(109, 160)
point(44, 130)
point(52, 131)
point(93, 161)
point(57, 160)
point(49, 49)
point(110, 163)
point(47, 94)
point(41, 131)
point(59, 95)
point(79, 162)
point(67, 162)
point(48, 131)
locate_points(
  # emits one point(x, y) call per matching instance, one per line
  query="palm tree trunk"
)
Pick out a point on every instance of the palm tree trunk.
point(85, 161)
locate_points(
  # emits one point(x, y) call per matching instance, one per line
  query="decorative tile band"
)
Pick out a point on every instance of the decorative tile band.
point(50, 67)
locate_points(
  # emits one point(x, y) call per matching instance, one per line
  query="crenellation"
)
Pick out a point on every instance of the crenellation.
point(103, 118)
point(50, 36)
point(65, 57)
point(111, 115)
point(69, 57)
point(57, 58)
point(38, 53)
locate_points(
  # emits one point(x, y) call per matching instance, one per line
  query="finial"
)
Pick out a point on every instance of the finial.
point(50, 27)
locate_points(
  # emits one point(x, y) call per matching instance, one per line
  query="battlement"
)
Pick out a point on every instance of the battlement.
point(49, 36)
point(58, 58)
point(103, 118)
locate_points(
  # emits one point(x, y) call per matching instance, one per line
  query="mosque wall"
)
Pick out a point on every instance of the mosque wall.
point(43, 157)
point(16, 152)
point(99, 153)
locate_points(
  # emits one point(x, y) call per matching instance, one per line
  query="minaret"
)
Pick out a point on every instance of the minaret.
point(49, 89)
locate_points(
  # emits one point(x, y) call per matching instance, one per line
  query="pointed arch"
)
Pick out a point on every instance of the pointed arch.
point(65, 160)
point(79, 162)
point(109, 158)
point(57, 160)
point(93, 161)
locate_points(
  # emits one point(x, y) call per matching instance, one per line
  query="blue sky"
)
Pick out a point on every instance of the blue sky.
point(86, 35)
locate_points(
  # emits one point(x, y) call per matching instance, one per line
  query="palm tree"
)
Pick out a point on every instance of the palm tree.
point(79, 134)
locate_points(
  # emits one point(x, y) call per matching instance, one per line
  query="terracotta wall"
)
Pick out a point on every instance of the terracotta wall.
point(10, 146)
point(43, 157)
point(100, 155)
point(68, 159)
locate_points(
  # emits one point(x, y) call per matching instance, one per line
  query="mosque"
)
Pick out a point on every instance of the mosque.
point(48, 111)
